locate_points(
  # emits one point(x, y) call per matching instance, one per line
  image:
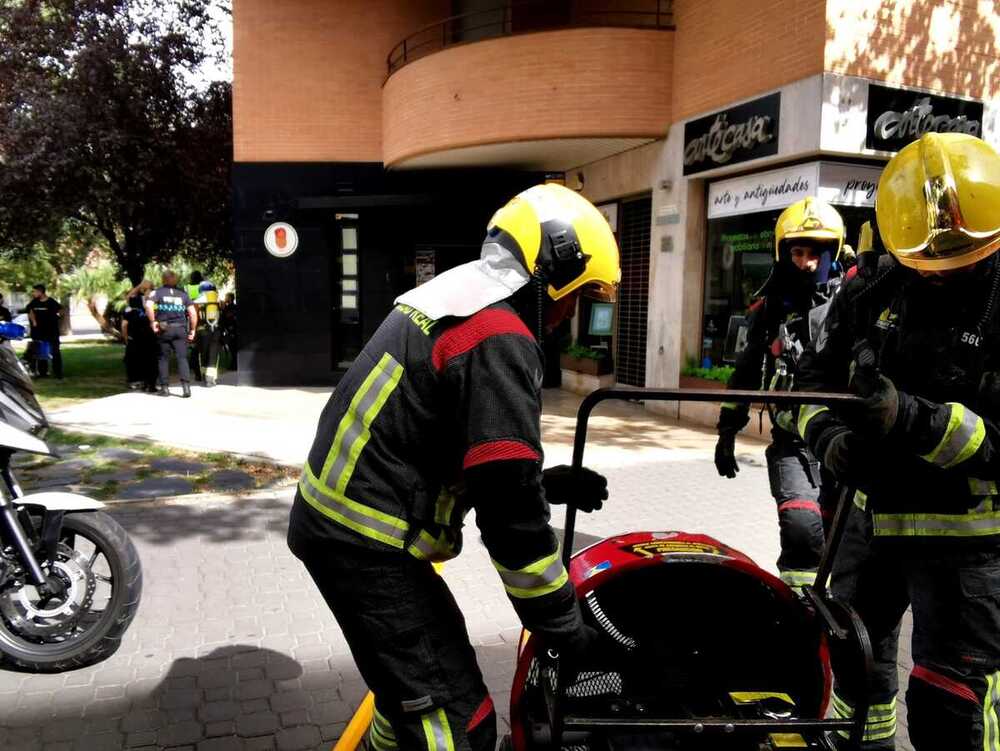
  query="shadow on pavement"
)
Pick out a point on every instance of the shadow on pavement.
point(235, 697)
point(235, 520)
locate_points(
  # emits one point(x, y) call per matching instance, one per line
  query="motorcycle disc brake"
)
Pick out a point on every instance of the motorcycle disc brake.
point(29, 616)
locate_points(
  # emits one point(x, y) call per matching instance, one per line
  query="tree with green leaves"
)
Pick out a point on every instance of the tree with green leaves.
point(107, 126)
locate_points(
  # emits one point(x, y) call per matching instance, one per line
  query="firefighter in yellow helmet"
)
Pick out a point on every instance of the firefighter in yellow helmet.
point(920, 341)
point(808, 239)
point(439, 415)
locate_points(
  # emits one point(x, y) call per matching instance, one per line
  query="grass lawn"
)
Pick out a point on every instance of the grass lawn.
point(92, 370)
point(86, 447)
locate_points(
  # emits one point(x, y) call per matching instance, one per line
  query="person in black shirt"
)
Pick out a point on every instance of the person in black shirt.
point(141, 348)
point(174, 319)
point(44, 314)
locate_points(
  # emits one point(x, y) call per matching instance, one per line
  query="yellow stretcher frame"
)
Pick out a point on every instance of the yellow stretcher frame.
point(356, 729)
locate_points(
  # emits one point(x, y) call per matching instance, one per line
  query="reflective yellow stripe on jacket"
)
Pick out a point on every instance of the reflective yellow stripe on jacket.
point(536, 579)
point(797, 578)
point(381, 735)
point(991, 723)
point(327, 492)
point(437, 731)
point(806, 413)
point(359, 517)
point(426, 547)
point(881, 723)
point(354, 429)
point(972, 524)
point(981, 521)
point(962, 437)
point(982, 487)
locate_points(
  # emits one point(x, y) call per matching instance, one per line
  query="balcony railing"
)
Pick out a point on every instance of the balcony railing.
point(523, 16)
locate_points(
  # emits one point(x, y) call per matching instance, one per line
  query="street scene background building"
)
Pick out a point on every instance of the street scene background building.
point(385, 133)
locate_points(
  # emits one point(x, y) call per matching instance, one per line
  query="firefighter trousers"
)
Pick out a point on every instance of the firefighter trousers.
point(796, 486)
point(409, 641)
point(954, 687)
point(208, 343)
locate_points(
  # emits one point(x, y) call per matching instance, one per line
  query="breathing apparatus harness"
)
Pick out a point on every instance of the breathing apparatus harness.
point(969, 347)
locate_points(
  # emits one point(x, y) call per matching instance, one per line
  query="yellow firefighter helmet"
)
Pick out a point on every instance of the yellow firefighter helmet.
point(560, 237)
point(938, 202)
point(810, 219)
point(866, 238)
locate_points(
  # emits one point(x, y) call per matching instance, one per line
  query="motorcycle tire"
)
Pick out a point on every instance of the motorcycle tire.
point(103, 638)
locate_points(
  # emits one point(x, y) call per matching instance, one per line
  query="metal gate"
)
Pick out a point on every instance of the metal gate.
point(633, 294)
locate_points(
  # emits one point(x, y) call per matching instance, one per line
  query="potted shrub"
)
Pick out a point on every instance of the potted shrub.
point(585, 360)
point(695, 377)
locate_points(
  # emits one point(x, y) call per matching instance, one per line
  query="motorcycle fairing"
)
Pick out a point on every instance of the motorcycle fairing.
point(56, 501)
point(21, 440)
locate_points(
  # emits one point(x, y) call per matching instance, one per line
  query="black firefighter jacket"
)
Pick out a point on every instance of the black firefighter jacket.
point(934, 477)
point(433, 419)
point(778, 329)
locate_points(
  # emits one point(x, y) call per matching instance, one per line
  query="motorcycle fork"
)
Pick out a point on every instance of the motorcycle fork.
point(11, 528)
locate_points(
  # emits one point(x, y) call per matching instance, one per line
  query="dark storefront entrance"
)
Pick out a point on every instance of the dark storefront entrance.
point(364, 236)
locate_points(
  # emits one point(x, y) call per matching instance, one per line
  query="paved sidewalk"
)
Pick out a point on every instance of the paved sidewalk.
point(273, 424)
point(234, 649)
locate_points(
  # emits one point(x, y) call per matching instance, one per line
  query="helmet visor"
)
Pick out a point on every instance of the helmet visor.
point(600, 291)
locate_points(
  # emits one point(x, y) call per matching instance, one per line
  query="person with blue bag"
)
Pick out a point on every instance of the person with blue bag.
point(44, 313)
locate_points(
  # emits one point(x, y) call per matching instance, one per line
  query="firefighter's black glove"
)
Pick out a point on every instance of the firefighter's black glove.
point(878, 414)
point(725, 455)
point(845, 455)
point(989, 393)
point(587, 491)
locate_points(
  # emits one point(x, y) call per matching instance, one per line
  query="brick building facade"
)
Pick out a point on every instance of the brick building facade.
point(383, 134)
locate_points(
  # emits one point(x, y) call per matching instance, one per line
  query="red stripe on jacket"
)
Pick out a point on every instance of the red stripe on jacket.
point(498, 451)
point(944, 683)
point(799, 504)
point(485, 710)
point(473, 331)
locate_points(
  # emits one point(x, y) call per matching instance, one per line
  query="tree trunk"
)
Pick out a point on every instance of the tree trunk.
point(101, 320)
point(65, 324)
point(134, 268)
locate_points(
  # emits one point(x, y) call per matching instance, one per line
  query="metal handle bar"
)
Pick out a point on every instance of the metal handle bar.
point(817, 593)
point(777, 398)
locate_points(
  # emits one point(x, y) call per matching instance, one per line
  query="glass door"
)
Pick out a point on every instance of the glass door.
point(347, 293)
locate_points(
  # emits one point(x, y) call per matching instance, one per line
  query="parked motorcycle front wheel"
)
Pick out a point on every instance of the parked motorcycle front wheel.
point(99, 586)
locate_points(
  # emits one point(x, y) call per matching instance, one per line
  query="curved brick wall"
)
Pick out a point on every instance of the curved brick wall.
point(598, 82)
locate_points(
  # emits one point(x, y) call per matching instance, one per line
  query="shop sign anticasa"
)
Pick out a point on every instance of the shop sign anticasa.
point(738, 134)
point(842, 184)
point(897, 116)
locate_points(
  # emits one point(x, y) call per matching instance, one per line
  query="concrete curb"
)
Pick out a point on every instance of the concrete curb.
point(72, 427)
point(203, 499)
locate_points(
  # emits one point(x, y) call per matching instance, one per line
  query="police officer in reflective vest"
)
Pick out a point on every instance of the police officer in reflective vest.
point(174, 320)
point(440, 415)
point(808, 239)
point(920, 341)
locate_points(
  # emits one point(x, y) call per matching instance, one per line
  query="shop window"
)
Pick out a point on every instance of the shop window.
point(739, 258)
